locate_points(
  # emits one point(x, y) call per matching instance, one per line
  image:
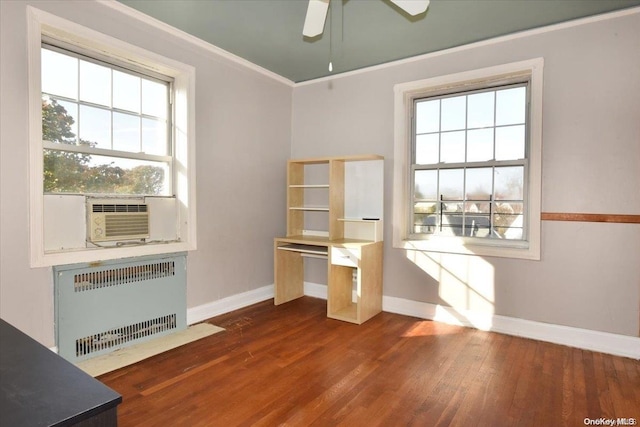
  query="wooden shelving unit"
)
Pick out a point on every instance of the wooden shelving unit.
point(334, 210)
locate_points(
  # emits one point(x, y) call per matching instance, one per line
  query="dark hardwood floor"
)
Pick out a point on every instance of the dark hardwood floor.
point(290, 365)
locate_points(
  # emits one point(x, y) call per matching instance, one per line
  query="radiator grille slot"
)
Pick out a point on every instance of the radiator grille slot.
point(115, 338)
point(121, 276)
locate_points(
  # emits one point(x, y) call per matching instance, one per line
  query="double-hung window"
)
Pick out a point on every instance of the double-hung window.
point(468, 162)
point(106, 128)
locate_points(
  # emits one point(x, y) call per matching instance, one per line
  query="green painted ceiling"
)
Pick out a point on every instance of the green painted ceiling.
point(358, 33)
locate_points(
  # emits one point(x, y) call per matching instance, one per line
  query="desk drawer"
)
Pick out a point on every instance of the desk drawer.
point(349, 257)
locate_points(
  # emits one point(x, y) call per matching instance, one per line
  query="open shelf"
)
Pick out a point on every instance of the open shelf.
point(309, 186)
point(362, 228)
point(347, 314)
point(310, 208)
point(305, 249)
point(334, 211)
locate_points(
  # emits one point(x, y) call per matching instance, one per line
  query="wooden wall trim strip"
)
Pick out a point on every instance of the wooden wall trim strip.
point(590, 217)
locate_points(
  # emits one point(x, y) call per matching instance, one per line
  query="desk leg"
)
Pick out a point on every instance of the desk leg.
point(288, 275)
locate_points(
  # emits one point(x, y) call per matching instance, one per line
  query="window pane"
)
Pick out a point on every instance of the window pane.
point(427, 150)
point(479, 183)
point(428, 116)
point(71, 109)
point(454, 113)
point(154, 99)
point(479, 145)
point(451, 184)
point(66, 172)
point(425, 219)
point(480, 110)
point(59, 74)
point(509, 183)
point(426, 185)
point(452, 147)
point(477, 219)
point(478, 207)
point(126, 91)
point(510, 143)
point(59, 121)
point(154, 137)
point(511, 106)
point(95, 83)
point(452, 219)
point(126, 132)
point(508, 220)
point(95, 127)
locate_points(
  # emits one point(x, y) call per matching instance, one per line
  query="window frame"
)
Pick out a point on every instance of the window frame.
point(405, 95)
point(54, 45)
point(43, 25)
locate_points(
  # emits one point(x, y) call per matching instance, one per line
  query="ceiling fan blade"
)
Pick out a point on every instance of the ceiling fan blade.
point(316, 15)
point(412, 7)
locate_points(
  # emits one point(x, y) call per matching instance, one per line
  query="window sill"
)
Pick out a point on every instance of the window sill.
point(74, 256)
point(517, 250)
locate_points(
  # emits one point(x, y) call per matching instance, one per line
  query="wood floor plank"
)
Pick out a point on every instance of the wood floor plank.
point(290, 365)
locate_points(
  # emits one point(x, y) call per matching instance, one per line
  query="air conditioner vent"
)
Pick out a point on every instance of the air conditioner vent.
point(118, 208)
point(126, 225)
point(117, 221)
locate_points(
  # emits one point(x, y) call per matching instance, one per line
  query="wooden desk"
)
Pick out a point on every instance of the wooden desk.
point(334, 211)
point(348, 301)
point(40, 388)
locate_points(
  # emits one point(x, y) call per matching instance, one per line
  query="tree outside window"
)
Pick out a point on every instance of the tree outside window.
point(105, 131)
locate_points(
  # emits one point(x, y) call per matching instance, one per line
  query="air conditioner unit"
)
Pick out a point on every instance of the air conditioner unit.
point(109, 221)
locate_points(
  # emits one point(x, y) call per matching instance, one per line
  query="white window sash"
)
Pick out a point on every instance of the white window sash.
point(84, 149)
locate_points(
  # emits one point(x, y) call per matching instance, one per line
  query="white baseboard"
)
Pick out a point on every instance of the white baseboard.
point(315, 290)
point(225, 305)
point(245, 299)
point(604, 342)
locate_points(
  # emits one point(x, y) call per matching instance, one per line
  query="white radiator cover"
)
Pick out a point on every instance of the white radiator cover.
point(101, 307)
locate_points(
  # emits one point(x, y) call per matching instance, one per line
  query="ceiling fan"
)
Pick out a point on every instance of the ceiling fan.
point(317, 13)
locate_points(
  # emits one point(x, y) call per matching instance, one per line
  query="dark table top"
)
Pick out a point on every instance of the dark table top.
point(40, 388)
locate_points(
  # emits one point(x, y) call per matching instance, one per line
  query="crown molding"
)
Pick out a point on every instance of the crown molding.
point(135, 14)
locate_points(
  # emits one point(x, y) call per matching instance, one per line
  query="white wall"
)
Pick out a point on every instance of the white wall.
point(243, 122)
point(589, 274)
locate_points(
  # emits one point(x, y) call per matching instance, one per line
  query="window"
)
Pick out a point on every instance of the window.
point(106, 128)
point(468, 162)
point(106, 118)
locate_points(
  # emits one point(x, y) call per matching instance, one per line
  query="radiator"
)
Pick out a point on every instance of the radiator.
point(103, 307)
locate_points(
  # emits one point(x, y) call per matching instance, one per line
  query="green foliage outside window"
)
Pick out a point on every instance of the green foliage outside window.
point(71, 172)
